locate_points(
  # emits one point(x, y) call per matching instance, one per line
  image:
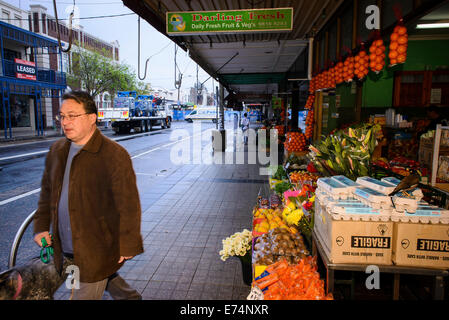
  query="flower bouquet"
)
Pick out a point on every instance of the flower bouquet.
point(239, 245)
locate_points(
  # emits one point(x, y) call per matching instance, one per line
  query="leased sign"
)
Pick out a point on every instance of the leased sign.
point(25, 69)
point(229, 21)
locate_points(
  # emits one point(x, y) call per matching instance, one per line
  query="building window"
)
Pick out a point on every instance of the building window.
point(18, 21)
point(36, 22)
point(5, 16)
point(44, 24)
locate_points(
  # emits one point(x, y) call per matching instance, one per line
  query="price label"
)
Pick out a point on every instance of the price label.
point(255, 294)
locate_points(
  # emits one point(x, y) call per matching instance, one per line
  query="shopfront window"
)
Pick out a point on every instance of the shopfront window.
point(20, 111)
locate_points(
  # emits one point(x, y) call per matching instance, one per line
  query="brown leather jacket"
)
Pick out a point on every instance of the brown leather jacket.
point(104, 205)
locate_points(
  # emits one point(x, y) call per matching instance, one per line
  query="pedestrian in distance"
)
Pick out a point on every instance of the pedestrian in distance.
point(89, 198)
point(245, 127)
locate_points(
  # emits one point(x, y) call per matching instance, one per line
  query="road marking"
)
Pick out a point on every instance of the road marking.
point(24, 155)
point(19, 197)
point(144, 153)
point(46, 151)
point(136, 156)
point(169, 144)
point(27, 143)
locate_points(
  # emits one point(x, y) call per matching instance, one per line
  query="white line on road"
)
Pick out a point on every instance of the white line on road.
point(168, 144)
point(136, 156)
point(24, 155)
point(19, 197)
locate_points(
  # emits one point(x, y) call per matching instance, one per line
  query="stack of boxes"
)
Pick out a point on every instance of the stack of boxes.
point(357, 222)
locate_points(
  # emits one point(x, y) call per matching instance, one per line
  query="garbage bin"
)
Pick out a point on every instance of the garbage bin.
point(219, 140)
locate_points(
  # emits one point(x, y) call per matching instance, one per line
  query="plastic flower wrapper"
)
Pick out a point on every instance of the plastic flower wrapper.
point(237, 244)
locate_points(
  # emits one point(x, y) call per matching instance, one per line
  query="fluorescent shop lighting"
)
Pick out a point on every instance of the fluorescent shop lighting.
point(432, 25)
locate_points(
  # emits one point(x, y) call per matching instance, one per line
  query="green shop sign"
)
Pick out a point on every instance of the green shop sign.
point(229, 21)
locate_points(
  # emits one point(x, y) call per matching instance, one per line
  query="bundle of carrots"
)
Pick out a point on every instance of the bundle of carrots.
point(309, 103)
point(398, 45)
point(377, 55)
point(293, 282)
point(348, 69)
point(361, 64)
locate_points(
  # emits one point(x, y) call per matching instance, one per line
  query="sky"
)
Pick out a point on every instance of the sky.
point(160, 71)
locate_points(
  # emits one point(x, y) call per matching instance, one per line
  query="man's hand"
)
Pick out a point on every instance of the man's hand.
point(122, 258)
point(38, 238)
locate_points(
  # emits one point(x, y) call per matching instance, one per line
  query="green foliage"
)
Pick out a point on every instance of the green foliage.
point(96, 73)
point(280, 174)
point(346, 152)
point(281, 187)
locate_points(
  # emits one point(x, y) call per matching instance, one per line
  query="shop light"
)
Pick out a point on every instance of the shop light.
point(433, 25)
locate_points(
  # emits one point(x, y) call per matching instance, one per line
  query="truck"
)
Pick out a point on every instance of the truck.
point(137, 112)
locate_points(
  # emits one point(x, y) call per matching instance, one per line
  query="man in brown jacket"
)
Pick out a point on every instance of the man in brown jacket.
point(89, 196)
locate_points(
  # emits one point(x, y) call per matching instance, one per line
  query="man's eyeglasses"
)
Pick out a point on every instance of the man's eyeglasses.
point(69, 117)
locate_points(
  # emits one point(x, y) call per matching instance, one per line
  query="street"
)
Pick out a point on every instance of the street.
point(23, 166)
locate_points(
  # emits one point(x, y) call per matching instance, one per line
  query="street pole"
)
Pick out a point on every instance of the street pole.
point(216, 107)
point(197, 89)
point(221, 107)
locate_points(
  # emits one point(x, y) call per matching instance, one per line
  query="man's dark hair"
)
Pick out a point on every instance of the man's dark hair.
point(82, 97)
point(245, 115)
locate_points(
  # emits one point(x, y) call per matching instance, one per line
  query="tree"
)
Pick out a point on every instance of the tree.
point(98, 74)
point(142, 88)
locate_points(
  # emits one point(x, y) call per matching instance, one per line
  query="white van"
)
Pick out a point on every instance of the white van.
point(202, 113)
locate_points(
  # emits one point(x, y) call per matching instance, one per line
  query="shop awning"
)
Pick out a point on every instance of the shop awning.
point(252, 63)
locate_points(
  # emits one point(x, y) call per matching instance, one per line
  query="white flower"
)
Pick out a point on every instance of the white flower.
point(237, 244)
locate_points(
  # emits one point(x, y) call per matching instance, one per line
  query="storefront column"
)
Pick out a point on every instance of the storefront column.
point(295, 105)
point(32, 115)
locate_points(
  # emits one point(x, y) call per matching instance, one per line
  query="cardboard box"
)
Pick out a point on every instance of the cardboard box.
point(357, 242)
point(421, 245)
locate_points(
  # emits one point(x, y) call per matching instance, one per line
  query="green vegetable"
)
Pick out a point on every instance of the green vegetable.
point(280, 188)
point(280, 173)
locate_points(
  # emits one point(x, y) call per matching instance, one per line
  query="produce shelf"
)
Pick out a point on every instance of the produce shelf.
point(438, 274)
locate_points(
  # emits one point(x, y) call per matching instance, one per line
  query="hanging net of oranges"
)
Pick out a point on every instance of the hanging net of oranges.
point(295, 141)
point(398, 45)
point(314, 84)
point(309, 124)
point(331, 77)
point(310, 101)
point(320, 81)
point(361, 64)
point(325, 79)
point(377, 55)
point(339, 78)
point(348, 69)
point(280, 129)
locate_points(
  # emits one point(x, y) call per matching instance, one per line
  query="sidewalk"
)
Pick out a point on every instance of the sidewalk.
point(185, 217)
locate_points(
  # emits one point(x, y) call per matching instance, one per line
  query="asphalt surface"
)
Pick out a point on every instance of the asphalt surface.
point(23, 164)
